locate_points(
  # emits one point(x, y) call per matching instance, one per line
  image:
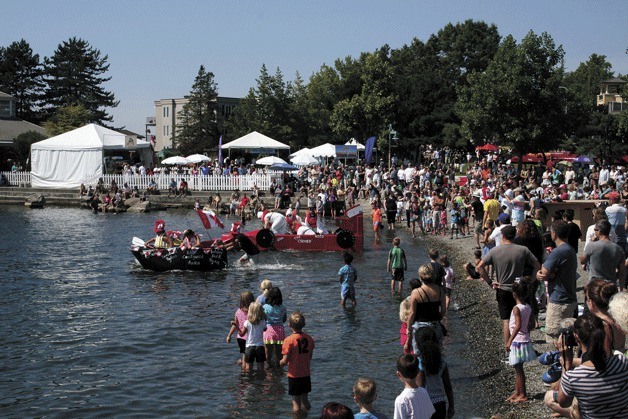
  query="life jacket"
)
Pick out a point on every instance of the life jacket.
point(160, 242)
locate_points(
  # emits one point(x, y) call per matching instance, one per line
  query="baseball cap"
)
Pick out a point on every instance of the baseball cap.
point(503, 218)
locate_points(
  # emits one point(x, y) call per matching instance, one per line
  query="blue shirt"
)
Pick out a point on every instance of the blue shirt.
point(348, 275)
point(562, 262)
point(370, 415)
point(275, 314)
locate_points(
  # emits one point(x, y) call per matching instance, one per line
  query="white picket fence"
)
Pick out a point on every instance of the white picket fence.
point(195, 183)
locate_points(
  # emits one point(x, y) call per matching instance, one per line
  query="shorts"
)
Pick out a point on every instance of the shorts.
point(471, 271)
point(448, 292)
point(347, 293)
point(554, 314)
point(479, 228)
point(505, 303)
point(255, 354)
point(377, 226)
point(299, 385)
point(274, 334)
point(241, 345)
point(398, 274)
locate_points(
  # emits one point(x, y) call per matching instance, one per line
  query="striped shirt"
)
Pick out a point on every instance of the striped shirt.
point(601, 395)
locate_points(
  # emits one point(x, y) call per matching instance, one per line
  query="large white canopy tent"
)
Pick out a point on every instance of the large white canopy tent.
point(325, 150)
point(255, 141)
point(76, 157)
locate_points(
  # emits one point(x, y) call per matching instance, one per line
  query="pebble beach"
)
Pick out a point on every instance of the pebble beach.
point(477, 307)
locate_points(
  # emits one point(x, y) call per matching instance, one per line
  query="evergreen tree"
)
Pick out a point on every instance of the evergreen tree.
point(198, 131)
point(21, 77)
point(267, 109)
point(74, 75)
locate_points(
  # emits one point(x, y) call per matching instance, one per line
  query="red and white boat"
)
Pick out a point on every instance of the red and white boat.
point(348, 235)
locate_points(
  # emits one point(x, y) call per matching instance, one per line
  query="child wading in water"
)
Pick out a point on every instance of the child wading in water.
point(396, 265)
point(297, 353)
point(347, 275)
point(253, 328)
point(246, 298)
point(519, 344)
point(274, 335)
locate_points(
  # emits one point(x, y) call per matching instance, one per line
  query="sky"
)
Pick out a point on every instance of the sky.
point(155, 48)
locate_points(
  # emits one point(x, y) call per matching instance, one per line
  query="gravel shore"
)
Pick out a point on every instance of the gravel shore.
point(478, 309)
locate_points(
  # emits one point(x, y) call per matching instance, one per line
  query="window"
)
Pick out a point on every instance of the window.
point(166, 112)
point(166, 130)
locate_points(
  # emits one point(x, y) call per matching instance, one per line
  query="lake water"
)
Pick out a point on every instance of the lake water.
point(86, 332)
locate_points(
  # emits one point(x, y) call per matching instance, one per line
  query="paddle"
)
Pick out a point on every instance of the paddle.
point(137, 241)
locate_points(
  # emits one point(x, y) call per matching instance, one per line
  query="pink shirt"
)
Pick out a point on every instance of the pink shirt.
point(524, 334)
point(240, 316)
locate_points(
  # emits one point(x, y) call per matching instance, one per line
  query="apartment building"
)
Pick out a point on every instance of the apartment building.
point(167, 118)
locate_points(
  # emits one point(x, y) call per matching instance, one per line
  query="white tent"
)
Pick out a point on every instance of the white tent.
point(255, 140)
point(353, 141)
point(325, 150)
point(304, 151)
point(76, 157)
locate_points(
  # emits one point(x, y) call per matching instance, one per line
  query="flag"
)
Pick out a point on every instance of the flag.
point(368, 150)
point(220, 150)
point(209, 219)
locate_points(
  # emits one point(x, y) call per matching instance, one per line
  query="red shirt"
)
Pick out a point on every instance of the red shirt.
point(298, 346)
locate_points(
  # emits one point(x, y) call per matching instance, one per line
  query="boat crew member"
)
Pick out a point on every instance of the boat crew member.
point(191, 239)
point(276, 222)
point(161, 240)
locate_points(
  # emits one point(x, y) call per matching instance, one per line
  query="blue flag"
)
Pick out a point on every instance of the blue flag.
point(220, 150)
point(368, 150)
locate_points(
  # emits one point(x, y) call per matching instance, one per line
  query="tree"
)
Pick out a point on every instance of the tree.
point(322, 94)
point(427, 76)
point(21, 148)
point(368, 111)
point(21, 77)
point(198, 131)
point(66, 119)
point(517, 101)
point(266, 109)
point(74, 75)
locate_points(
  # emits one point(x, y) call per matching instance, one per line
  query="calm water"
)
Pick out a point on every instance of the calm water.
point(86, 332)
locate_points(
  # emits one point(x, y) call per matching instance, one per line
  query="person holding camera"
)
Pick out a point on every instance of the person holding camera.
point(600, 383)
point(560, 271)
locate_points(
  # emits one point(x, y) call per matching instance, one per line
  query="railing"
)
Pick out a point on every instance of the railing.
point(195, 183)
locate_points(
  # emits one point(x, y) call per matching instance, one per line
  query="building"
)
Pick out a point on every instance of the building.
point(610, 95)
point(10, 126)
point(167, 119)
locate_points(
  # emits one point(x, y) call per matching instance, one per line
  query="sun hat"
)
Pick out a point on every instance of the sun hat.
point(503, 218)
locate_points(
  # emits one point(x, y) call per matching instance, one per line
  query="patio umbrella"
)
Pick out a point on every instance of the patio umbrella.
point(303, 160)
point(197, 158)
point(176, 160)
point(269, 161)
point(283, 166)
point(583, 159)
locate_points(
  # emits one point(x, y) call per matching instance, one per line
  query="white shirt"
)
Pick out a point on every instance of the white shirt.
point(255, 333)
point(413, 403)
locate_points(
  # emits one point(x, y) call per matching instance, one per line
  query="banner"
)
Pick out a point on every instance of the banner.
point(220, 150)
point(347, 151)
point(368, 151)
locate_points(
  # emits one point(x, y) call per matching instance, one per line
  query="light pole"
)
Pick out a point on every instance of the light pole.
point(392, 135)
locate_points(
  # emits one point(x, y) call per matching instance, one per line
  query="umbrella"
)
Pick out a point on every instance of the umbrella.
point(176, 160)
point(283, 166)
point(197, 158)
point(583, 159)
point(303, 160)
point(269, 161)
point(564, 162)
